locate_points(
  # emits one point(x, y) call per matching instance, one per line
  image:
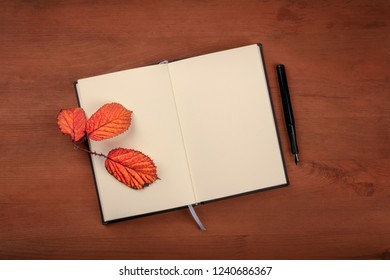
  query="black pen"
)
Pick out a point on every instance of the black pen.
point(287, 108)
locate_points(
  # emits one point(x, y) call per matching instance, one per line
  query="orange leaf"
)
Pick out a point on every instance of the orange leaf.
point(72, 121)
point(132, 168)
point(110, 120)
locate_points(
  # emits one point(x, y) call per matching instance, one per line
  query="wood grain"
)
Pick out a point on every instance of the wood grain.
point(337, 59)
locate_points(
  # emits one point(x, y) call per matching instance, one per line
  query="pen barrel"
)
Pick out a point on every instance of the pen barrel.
point(283, 85)
point(287, 108)
point(293, 139)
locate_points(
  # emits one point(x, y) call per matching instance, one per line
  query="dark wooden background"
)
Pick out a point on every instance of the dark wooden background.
point(337, 55)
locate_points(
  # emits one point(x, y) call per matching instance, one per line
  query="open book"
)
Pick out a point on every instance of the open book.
point(206, 121)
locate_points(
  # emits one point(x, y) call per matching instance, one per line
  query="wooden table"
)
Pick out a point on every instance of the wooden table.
point(337, 60)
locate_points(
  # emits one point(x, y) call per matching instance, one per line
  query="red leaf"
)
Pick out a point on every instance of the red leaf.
point(110, 120)
point(72, 122)
point(132, 168)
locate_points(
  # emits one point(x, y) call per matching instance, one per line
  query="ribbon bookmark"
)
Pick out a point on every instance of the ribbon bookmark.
point(196, 218)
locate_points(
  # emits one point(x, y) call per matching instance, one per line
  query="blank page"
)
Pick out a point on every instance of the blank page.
point(154, 130)
point(227, 123)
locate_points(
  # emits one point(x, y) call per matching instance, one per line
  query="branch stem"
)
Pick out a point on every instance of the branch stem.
point(88, 151)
